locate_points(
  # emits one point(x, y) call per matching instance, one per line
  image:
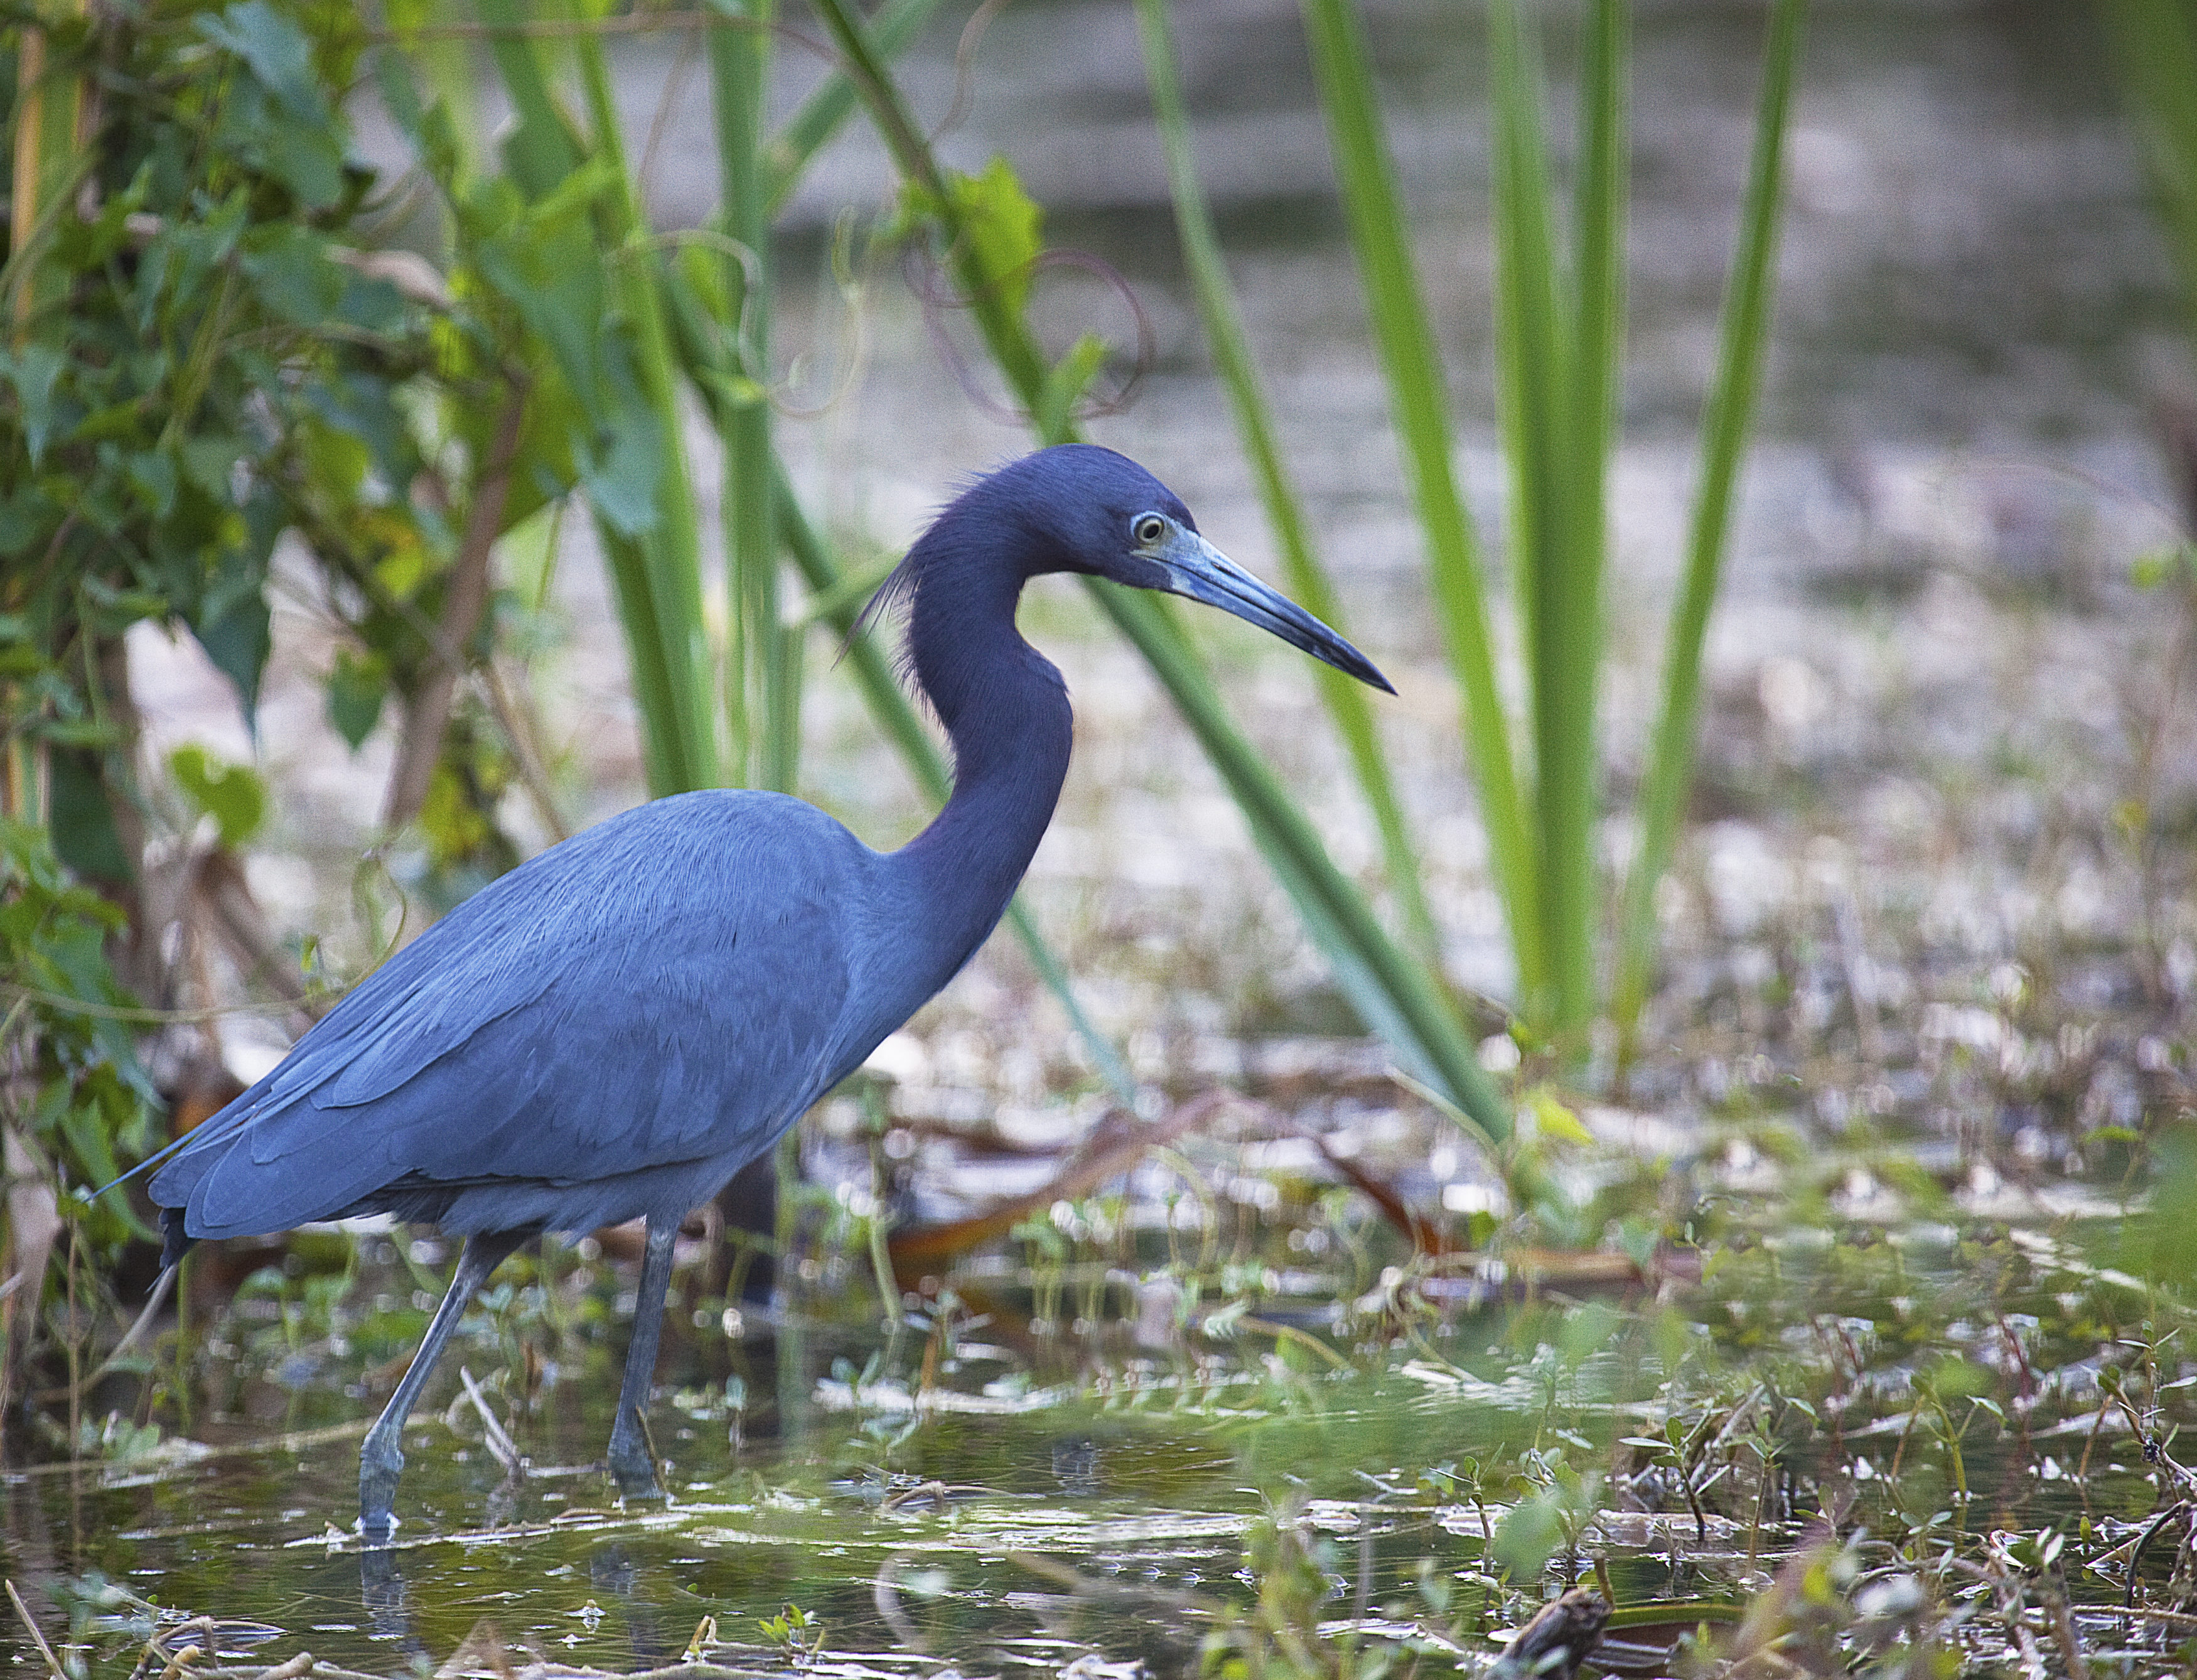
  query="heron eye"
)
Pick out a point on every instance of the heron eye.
point(1149, 529)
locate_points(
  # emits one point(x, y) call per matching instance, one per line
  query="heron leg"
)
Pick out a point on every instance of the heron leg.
point(381, 1457)
point(631, 1466)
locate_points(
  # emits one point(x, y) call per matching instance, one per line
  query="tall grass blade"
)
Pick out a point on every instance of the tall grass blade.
point(1726, 419)
point(672, 547)
point(1534, 353)
point(1598, 236)
point(1410, 1007)
point(1412, 364)
point(1567, 684)
point(1347, 701)
point(897, 23)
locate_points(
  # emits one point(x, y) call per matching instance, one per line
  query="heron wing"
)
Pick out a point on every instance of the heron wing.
point(663, 988)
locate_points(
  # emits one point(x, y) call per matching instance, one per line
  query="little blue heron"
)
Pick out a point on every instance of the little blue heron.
point(615, 1027)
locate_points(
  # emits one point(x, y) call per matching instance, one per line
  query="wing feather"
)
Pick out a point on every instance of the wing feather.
point(666, 988)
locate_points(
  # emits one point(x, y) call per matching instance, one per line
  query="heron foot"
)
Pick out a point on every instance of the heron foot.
point(380, 1461)
point(632, 1458)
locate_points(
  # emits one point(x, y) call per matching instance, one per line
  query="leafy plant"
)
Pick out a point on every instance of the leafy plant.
point(202, 357)
point(798, 1635)
point(77, 1098)
point(196, 361)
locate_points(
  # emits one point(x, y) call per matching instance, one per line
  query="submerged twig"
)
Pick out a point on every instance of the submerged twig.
point(23, 1610)
point(496, 1437)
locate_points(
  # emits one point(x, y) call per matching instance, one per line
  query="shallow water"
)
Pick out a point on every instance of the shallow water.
point(1042, 1501)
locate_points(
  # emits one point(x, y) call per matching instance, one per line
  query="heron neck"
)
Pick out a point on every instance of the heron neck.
point(1005, 709)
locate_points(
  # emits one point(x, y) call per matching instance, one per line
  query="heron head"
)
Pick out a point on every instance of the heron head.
point(1093, 511)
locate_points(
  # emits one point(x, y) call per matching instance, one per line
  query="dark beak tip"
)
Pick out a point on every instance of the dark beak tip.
point(1356, 665)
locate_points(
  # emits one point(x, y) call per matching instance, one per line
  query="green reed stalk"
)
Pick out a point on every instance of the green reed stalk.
point(1412, 361)
point(1534, 354)
point(1726, 420)
point(1396, 995)
point(672, 547)
point(763, 678)
point(448, 65)
point(45, 163)
point(656, 574)
point(1568, 756)
point(1561, 342)
point(1346, 700)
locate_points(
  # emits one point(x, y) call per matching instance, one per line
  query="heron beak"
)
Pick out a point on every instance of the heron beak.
point(1197, 569)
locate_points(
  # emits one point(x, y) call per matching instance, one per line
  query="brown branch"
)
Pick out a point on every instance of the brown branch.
point(34, 1221)
point(221, 895)
point(1116, 1145)
point(53, 1662)
point(427, 710)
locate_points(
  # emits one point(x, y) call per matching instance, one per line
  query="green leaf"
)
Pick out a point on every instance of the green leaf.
point(356, 688)
point(208, 461)
point(153, 474)
point(282, 121)
point(233, 794)
point(1529, 1535)
point(298, 281)
point(1067, 381)
point(548, 264)
point(1004, 225)
point(454, 825)
point(238, 639)
point(277, 54)
point(620, 481)
point(34, 370)
point(406, 18)
point(703, 271)
point(1553, 1120)
point(404, 569)
point(2161, 1243)
point(83, 822)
